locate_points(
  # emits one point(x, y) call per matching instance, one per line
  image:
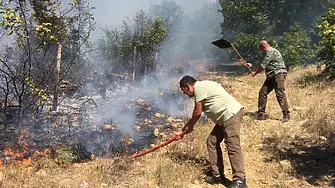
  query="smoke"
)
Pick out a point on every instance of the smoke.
point(111, 13)
point(196, 23)
point(189, 40)
point(116, 101)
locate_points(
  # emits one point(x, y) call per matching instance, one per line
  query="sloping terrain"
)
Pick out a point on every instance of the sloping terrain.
point(300, 153)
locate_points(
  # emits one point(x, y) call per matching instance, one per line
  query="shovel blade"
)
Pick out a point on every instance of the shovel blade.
point(222, 43)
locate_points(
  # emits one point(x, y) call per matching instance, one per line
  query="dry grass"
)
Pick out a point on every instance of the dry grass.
point(296, 154)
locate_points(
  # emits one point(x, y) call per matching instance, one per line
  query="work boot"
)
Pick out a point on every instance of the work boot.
point(225, 181)
point(218, 179)
point(261, 116)
point(286, 118)
point(213, 179)
point(239, 184)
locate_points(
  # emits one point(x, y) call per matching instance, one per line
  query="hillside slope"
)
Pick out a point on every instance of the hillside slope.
point(299, 153)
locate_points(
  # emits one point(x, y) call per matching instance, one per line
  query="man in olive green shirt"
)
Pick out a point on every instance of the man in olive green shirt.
point(275, 71)
point(227, 113)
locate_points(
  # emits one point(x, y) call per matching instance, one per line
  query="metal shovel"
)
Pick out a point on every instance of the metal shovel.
point(222, 43)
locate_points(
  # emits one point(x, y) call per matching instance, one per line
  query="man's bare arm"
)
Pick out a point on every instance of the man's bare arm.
point(259, 70)
point(195, 117)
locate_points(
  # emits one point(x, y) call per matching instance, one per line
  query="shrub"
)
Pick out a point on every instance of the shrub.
point(295, 47)
point(327, 52)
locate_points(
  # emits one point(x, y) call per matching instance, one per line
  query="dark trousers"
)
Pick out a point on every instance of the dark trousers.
point(276, 83)
point(230, 132)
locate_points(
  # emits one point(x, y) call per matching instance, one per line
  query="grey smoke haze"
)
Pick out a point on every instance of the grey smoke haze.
point(160, 89)
point(111, 13)
point(117, 107)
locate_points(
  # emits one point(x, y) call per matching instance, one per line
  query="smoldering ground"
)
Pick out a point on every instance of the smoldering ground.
point(103, 114)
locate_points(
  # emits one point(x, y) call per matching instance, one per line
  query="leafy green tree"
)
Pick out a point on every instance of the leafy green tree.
point(286, 13)
point(143, 35)
point(327, 51)
point(248, 17)
point(246, 21)
point(244, 24)
point(295, 46)
point(247, 45)
point(278, 16)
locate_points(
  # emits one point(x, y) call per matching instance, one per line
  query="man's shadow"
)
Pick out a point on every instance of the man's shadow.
point(201, 162)
point(254, 116)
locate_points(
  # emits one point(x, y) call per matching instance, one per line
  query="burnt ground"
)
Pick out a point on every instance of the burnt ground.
point(104, 128)
point(276, 154)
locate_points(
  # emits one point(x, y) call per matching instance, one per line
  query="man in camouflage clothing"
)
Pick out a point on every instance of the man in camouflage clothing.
point(275, 71)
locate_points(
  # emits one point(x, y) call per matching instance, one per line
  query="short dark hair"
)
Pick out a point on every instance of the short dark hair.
point(187, 80)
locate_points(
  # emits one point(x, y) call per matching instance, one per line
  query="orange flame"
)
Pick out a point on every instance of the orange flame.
point(17, 154)
point(26, 162)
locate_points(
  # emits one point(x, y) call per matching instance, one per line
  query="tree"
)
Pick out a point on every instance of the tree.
point(171, 14)
point(52, 26)
point(275, 21)
point(117, 47)
point(295, 46)
point(243, 16)
point(327, 51)
point(37, 27)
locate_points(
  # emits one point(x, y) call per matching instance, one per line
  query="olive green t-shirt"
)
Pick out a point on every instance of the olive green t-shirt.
point(218, 105)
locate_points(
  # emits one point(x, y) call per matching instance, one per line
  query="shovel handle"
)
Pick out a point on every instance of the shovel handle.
point(241, 58)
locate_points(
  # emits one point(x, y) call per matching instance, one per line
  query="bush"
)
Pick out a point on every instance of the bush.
point(327, 52)
point(65, 156)
point(295, 47)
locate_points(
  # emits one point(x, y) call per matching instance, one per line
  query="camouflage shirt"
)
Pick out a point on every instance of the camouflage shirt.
point(273, 62)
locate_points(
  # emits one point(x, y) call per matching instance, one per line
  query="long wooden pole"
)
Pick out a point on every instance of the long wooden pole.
point(159, 146)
